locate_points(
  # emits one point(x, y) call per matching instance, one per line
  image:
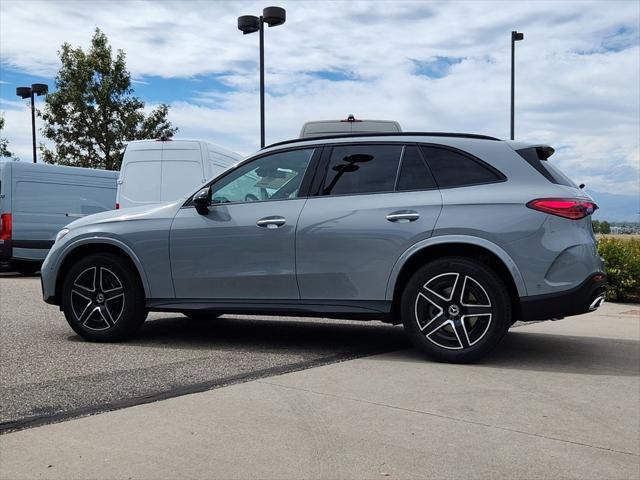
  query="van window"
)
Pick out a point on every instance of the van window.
point(61, 198)
point(273, 177)
point(414, 173)
point(142, 182)
point(454, 169)
point(179, 178)
point(362, 169)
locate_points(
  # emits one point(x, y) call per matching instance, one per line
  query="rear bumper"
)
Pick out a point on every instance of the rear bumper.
point(6, 249)
point(586, 297)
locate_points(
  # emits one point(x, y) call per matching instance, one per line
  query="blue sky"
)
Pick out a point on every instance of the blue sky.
point(429, 65)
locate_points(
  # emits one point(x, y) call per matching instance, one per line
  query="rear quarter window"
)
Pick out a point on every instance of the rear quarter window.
point(537, 158)
point(456, 169)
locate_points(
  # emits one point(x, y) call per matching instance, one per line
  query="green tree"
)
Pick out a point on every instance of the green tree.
point(93, 111)
point(4, 143)
point(605, 227)
point(595, 224)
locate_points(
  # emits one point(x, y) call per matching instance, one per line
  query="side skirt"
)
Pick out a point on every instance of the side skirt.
point(346, 309)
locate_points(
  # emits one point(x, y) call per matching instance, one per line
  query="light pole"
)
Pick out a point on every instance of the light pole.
point(272, 16)
point(26, 92)
point(515, 36)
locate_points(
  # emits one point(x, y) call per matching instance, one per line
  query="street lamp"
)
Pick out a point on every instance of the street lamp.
point(26, 92)
point(515, 37)
point(272, 16)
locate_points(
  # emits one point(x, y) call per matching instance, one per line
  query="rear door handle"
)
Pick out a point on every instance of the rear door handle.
point(403, 216)
point(271, 222)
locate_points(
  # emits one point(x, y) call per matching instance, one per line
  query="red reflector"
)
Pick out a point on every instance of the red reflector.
point(117, 206)
point(571, 208)
point(598, 277)
point(5, 226)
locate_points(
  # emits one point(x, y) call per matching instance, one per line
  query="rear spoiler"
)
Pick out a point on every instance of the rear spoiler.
point(544, 151)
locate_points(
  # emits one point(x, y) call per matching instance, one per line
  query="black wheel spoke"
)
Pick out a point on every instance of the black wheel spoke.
point(461, 332)
point(470, 310)
point(435, 324)
point(113, 294)
point(433, 298)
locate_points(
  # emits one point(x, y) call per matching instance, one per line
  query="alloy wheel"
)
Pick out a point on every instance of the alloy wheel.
point(97, 298)
point(453, 311)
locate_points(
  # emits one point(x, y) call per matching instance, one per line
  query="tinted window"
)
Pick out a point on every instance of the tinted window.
point(414, 174)
point(537, 158)
point(453, 169)
point(274, 177)
point(362, 169)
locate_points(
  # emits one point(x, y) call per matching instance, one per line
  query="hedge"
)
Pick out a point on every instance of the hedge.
point(622, 258)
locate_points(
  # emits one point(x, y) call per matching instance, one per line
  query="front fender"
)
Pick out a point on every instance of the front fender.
point(466, 239)
point(68, 248)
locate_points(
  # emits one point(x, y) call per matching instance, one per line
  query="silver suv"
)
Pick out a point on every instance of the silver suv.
point(456, 236)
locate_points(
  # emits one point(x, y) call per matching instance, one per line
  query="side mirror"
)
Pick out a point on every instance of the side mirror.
point(201, 201)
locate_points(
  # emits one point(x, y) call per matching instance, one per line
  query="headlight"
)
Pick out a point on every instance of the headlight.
point(61, 234)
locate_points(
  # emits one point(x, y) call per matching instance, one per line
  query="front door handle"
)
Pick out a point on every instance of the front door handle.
point(271, 222)
point(403, 216)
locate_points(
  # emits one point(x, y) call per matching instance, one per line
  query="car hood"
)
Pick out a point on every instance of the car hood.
point(147, 212)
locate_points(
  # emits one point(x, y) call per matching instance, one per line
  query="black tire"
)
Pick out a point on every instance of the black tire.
point(115, 309)
point(26, 268)
point(440, 322)
point(201, 315)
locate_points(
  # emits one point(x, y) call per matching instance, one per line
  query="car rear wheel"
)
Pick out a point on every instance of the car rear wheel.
point(102, 298)
point(455, 309)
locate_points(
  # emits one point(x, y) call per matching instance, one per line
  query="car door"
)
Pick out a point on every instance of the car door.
point(375, 201)
point(245, 246)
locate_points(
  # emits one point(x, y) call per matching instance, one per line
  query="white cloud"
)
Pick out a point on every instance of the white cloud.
point(578, 69)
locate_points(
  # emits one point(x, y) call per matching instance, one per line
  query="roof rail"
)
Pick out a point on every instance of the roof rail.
point(389, 134)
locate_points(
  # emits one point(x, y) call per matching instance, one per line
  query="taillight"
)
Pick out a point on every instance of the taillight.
point(571, 208)
point(117, 206)
point(5, 226)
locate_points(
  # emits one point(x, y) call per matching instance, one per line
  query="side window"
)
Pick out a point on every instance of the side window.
point(453, 169)
point(362, 169)
point(274, 177)
point(414, 173)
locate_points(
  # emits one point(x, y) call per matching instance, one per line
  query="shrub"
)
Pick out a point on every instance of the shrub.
point(622, 259)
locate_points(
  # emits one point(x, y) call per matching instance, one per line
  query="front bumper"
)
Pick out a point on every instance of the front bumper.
point(586, 297)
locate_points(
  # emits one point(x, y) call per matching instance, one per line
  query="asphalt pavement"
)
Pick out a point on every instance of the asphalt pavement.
point(47, 373)
point(557, 400)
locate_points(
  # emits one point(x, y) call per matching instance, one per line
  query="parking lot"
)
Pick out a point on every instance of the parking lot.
point(48, 373)
point(314, 398)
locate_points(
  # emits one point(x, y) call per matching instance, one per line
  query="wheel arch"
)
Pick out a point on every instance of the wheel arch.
point(461, 246)
point(88, 247)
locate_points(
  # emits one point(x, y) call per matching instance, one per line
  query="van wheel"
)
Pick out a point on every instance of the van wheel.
point(102, 298)
point(26, 268)
point(455, 309)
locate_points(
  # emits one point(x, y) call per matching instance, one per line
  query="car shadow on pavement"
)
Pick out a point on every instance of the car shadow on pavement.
point(545, 352)
point(251, 334)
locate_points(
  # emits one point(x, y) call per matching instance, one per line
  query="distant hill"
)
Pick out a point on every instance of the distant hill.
point(616, 208)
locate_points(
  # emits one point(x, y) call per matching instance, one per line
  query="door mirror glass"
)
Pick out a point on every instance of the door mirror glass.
point(201, 200)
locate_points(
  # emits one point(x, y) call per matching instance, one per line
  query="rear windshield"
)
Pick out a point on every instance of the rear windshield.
point(537, 158)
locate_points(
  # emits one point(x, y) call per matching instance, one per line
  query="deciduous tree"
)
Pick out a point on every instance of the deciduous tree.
point(93, 111)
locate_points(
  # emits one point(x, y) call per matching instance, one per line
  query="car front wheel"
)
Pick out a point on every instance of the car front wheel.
point(455, 309)
point(103, 300)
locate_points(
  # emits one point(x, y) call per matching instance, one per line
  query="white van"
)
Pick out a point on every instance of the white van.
point(155, 171)
point(348, 126)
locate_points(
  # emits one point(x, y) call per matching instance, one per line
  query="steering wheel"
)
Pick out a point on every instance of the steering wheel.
point(250, 197)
